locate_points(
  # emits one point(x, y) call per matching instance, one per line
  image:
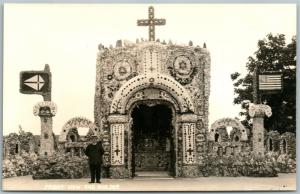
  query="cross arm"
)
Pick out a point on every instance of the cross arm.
point(143, 22)
point(159, 21)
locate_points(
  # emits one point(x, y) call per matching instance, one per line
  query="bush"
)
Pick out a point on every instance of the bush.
point(60, 167)
point(18, 165)
point(286, 164)
point(247, 164)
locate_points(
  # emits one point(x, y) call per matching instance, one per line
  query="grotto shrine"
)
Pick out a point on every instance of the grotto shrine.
point(151, 101)
point(151, 109)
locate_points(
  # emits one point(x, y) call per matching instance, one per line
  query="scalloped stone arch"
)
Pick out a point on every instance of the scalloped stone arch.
point(77, 122)
point(163, 82)
point(229, 122)
point(163, 96)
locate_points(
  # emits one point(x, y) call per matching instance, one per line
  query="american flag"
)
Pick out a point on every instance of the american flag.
point(270, 82)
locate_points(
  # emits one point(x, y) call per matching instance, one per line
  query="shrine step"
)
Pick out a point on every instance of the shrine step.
point(152, 174)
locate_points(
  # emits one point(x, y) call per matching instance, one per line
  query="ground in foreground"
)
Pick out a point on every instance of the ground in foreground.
point(282, 182)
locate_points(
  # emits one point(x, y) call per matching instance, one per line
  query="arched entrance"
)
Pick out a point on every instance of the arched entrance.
point(155, 93)
point(153, 138)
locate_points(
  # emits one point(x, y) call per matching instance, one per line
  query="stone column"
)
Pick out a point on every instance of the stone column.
point(46, 110)
point(188, 127)
point(117, 139)
point(258, 112)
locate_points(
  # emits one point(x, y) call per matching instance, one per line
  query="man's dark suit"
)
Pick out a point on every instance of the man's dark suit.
point(95, 153)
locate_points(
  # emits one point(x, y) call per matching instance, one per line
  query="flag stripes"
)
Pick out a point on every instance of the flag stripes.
point(270, 82)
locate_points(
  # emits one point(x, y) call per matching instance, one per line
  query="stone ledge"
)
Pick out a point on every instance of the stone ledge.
point(187, 118)
point(117, 118)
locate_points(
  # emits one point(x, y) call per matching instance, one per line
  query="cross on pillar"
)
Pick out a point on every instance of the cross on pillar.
point(117, 151)
point(151, 22)
point(190, 151)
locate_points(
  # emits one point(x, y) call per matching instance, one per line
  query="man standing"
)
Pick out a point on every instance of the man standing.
point(95, 152)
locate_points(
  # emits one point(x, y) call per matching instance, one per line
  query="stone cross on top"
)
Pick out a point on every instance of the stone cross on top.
point(151, 22)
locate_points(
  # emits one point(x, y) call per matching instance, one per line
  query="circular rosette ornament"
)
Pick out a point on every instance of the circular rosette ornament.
point(45, 108)
point(122, 70)
point(183, 67)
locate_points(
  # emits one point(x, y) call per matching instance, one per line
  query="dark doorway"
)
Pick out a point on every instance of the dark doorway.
point(152, 140)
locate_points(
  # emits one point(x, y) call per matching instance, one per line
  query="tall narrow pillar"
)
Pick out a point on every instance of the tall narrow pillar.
point(46, 110)
point(117, 139)
point(258, 112)
point(188, 127)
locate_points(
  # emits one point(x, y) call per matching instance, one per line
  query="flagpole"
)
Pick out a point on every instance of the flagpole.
point(256, 96)
point(47, 95)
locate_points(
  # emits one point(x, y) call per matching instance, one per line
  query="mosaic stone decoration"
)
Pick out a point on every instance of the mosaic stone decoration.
point(259, 109)
point(188, 143)
point(77, 122)
point(46, 110)
point(222, 142)
point(117, 144)
point(258, 112)
point(49, 106)
point(182, 67)
point(156, 73)
point(150, 73)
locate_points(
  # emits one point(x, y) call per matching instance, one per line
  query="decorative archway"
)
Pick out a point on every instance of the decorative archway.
point(163, 82)
point(151, 88)
point(237, 126)
point(236, 139)
point(288, 144)
point(77, 122)
point(272, 141)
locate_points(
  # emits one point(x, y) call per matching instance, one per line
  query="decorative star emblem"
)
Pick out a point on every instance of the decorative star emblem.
point(182, 65)
point(36, 82)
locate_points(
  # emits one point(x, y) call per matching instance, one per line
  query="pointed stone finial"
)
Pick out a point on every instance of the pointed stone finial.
point(119, 43)
point(111, 47)
point(204, 45)
point(170, 42)
point(157, 40)
point(47, 68)
point(190, 43)
point(100, 46)
point(164, 42)
point(137, 41)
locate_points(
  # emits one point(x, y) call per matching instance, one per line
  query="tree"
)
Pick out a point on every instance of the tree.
point(273, 54)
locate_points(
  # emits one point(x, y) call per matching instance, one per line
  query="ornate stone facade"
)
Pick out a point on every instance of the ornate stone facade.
point(153, 73)
point(175, 80)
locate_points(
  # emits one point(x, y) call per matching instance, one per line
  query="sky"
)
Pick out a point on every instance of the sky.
point(66, 37)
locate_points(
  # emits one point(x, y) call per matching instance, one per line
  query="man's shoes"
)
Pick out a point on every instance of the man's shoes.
point(98, 182)
point(91, 182)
